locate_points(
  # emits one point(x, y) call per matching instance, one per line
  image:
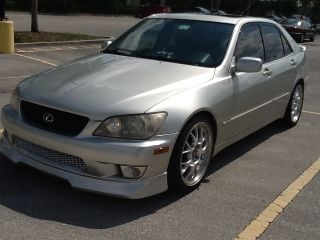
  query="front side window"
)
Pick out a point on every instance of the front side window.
point(307, 24)
point(272, 43)
point(197, 43)
point(250, 43)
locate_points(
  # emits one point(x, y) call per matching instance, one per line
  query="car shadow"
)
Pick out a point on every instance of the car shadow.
point(243, 146)
point(39, 196)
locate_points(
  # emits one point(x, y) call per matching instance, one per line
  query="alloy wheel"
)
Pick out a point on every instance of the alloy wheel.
point(196, 154)
point(296, 103)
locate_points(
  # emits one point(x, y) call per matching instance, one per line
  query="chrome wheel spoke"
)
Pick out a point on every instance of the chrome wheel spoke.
point(188, 147)
point(185, 166)
point(191, 173)
point(186, 151)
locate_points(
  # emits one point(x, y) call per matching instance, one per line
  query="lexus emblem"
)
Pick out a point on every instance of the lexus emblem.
point(48, 118)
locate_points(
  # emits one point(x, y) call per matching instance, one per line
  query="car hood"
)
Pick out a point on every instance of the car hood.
point(102, 85)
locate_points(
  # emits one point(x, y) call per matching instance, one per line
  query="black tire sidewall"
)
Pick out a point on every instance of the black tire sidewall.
point(312, 38)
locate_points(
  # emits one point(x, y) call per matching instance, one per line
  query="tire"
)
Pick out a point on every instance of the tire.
point(189, 162)
point(301, 40)
point(294, 108)
point(312, 38)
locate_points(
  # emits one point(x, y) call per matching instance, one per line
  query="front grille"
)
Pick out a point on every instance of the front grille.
point(52, 155)
point(60, 122)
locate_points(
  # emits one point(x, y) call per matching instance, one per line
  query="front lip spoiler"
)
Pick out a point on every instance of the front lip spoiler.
point(130, 189)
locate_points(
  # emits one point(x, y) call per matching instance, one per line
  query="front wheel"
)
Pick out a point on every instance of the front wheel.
point(191, 155)
point(294, 107)
point(301, 39)
point(312, 38)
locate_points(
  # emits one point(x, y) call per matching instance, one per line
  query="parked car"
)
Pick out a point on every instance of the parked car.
point(147, 10)
point(275, 18)
point(318, 28)
point(300, 29)
point(151, 110)
point(219, 12)
point(201, 10)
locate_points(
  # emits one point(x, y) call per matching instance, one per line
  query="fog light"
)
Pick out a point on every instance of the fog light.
point(132, 171)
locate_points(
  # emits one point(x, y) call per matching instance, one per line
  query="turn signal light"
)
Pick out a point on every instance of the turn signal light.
point(161, 150)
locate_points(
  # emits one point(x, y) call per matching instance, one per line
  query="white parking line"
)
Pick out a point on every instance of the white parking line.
point(51, 49)
point(309, 112)
point(36, 59)
point(15, 77)
point(263, 221)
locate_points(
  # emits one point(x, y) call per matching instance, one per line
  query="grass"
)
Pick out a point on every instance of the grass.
point(29, 37)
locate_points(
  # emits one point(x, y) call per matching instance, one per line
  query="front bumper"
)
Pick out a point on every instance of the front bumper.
point(103, 156)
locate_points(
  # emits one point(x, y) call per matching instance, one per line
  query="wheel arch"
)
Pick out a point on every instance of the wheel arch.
point(299, 80)
point(207, 114)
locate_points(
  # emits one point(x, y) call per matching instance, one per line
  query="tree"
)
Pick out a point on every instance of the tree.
point(34, 16)
point(2, 12)
point(218, 4)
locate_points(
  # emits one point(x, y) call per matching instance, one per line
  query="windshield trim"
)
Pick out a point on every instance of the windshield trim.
point(160, 59)
point(115, 52)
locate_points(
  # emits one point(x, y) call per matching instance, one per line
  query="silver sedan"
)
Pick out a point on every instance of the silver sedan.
point(151, 110)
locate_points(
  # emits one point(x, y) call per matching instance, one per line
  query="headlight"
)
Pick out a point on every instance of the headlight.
point(137, 127)
point(15, 99)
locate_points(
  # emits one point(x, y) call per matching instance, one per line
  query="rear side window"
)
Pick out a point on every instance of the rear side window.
point(272, 43)
point(286, 47)
point(250, 43)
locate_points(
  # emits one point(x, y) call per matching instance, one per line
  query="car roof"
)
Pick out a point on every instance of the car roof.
point(230, 19)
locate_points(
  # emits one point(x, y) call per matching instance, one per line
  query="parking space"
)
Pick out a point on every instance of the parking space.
point(243, 180)
point(303, 216)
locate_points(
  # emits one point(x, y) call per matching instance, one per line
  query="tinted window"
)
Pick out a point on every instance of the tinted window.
point(250, 43)
point(272, 43)
point(182, 41)
point(293, 22)
point(304, 24)
point(308, 24)
point(286, 47)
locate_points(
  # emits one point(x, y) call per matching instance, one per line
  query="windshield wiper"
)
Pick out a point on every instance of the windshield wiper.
point(121, 51)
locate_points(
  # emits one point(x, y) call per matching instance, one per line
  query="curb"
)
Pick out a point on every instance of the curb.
point(78, 42)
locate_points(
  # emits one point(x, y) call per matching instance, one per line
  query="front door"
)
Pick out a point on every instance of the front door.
point(251, 91)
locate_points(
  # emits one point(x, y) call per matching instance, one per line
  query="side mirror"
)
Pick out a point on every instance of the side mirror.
point(106, 43)
point(248, 65)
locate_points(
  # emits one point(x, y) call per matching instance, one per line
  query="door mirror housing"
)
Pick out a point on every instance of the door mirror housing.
point(249, 65)
point(106, 43)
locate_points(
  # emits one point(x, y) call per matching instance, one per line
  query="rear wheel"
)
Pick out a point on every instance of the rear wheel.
point(191, 155)
point(294, 107)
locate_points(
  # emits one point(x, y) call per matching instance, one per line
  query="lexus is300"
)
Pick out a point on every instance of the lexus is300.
point(151, 110)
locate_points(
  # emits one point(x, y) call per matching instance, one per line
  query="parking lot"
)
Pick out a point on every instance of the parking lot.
point(243, 180)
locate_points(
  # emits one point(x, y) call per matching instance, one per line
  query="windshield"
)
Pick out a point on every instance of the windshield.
point(293, 22)
point(197, 43)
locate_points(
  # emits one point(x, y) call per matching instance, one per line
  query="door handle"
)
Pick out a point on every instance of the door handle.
point(267, 72)
point(293, 62)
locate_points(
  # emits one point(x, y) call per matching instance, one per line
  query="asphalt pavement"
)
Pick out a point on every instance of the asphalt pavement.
point(242, 181)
